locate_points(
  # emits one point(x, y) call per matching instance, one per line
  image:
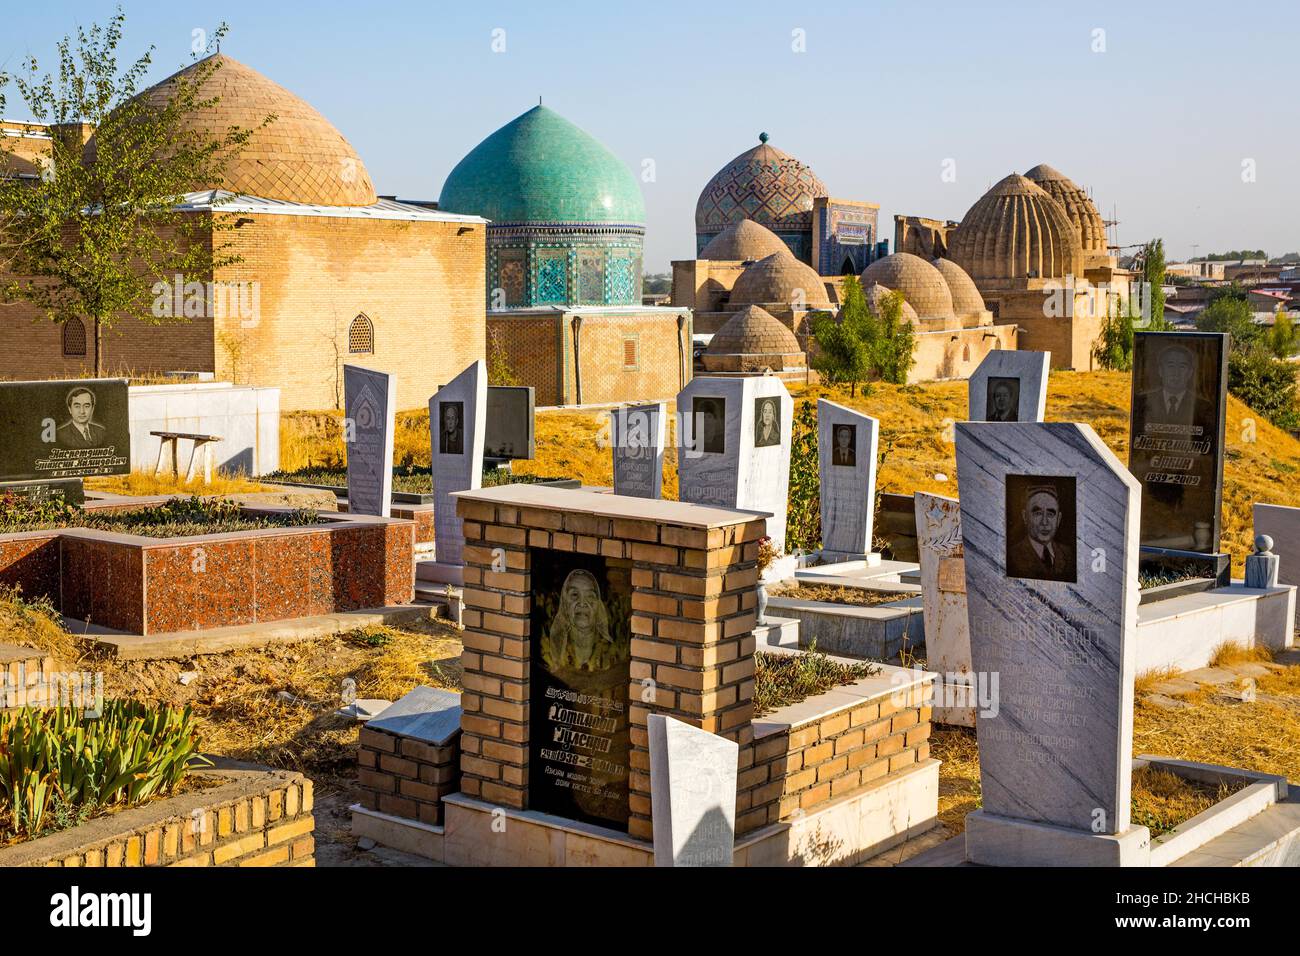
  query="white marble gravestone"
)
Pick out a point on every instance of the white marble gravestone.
point(638, 441)
point(369, 409)
point(943, 596)
point(692, 794)
point(456, 430)
point(1282, 524)
point(846, 449)
point(1020, 376)
point(735, 435)
point(1055, 760)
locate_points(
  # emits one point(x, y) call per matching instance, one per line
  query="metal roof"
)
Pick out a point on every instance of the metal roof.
point(224, 201)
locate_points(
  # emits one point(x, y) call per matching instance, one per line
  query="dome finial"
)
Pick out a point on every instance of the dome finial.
point(762, 137)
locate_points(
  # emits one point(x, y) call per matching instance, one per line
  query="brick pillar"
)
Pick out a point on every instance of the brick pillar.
point(693, 615)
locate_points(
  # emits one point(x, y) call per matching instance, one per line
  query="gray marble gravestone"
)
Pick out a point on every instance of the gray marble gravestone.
point(1055, 761)
point(846, 450)
point(1009, 386)
point(370, 407)
point(736, 446)
point(456, 429)
point(943, 595)
point(692, 794)
point(1282, 524)
point(638, 441)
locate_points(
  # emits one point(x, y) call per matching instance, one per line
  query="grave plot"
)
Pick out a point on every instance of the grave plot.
point(588, 614)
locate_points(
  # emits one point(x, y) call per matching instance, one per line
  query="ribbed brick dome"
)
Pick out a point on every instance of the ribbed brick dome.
point(922, 285)
point(298, 157)
point(876, 293)
point(780, 277)
point(1088, 224)
point(966, 298)
point(753, 330)
point(1016, 231)
point(743, 241)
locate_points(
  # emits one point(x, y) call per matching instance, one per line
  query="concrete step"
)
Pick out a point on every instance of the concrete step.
point(1270, 838)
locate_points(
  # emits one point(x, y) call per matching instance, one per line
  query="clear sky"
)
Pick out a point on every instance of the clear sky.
point(1163, 116)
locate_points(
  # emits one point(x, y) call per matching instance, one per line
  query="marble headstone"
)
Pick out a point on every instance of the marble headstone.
point(736, 446)
point(370, 407)
point(457, 434)
point(638, 442)
point(943, 597)
point(1180, 388)
point(846, 450)
point(1009, 386)
point(50, 431)
point(1060, 634)
point(692, 794)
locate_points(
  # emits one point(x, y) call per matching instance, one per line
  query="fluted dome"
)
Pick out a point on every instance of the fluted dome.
point(743, 241)
point(297, 157)
point(1088, 224)
point(782, 278)
point(966, 298)
point(876, 293)
point(753, 330)
point(1016, 231)
point(541, 168)
point(922, 285)
point(764, 184)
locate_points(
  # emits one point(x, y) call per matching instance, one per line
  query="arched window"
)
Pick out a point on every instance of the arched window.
point(361, 336)
point(74, 338)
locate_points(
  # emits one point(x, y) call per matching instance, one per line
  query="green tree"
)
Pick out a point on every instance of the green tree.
point(1153, 274)
point(1266, 384)
point(92, 239)
point(1114, 346)
point(1228, 313)
point(891, 341)
point(1282, 337)
point(843, 354)
point(803, 522)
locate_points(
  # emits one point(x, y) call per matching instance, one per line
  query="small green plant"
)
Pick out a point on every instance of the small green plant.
point(803, 521)
point(58, 766)
point(781, 679)
point(175, 518)
point(370, 636)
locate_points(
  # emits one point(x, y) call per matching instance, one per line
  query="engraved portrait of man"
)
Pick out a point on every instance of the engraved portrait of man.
point(845, 450)
point(451, 430)
point(1175, 400)
point(1003, 402)
point(81, 430)
point(1040, 533)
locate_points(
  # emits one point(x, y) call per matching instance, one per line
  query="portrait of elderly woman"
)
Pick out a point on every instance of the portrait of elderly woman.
point(579, 637)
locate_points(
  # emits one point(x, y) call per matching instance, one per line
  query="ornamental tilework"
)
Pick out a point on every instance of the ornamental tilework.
point(552, 279)
point(622, 280)
point(763, 184)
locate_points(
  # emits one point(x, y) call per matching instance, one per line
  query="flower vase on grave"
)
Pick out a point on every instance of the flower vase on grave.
point(762, 601)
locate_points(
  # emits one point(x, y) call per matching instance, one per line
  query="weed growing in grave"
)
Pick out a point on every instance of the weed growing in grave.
point(176, 518)
point(1161, 801)
point(35, 622)
point(782, 679)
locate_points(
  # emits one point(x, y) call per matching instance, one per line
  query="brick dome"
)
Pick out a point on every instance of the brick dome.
point(1083, 213)
point(875, 300)
point(753, 330)
point(966, 298)
point(764, 184)
point(744, 241)
point(1016, 231)
point(780, 277)
point(922, 285)
point(298, 157)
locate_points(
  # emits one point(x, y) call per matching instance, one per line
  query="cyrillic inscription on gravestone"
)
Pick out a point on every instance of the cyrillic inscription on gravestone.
point(1180, 382)
point(578, 712)
point(69, 429)
point(370, 402)
point(638, 441)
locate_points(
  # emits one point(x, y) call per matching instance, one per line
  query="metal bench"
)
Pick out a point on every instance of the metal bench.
point(173, 439)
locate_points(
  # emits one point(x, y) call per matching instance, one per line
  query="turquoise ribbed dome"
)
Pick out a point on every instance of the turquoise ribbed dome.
point(539, 167)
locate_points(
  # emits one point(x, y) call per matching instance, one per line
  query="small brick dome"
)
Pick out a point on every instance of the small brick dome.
point(744, 241)
point(922, 284)
point(779, 278)
point(875, 300)
point(1088, 224)
point(298, 157)
point(753, 330)
point(966, 298)
point(1016, 231)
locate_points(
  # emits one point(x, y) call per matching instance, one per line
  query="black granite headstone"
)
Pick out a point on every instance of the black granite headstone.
point(509, 432)
point(67, 490)
point(69, 429)
point(578, 713)
point(1180, 387)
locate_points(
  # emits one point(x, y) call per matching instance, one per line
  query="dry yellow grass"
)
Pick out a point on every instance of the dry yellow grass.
point(36, 624)
point(959, 774)
point(142, 483)
point(1229, 653)
point(1146, 681)
point(1162, 800)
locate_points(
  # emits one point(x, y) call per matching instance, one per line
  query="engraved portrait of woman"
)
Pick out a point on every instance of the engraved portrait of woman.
point(579, 636)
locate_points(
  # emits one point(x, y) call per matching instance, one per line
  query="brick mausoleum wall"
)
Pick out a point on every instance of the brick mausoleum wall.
point(406, 777)
point(693, 604)
point(531, 347)
point(803, 764)
point(254, 817)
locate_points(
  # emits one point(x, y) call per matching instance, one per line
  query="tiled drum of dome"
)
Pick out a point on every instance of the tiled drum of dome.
point(622, 280)
point(552, 280)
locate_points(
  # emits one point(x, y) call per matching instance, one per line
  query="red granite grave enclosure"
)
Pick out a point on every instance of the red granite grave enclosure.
point(144, 585)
